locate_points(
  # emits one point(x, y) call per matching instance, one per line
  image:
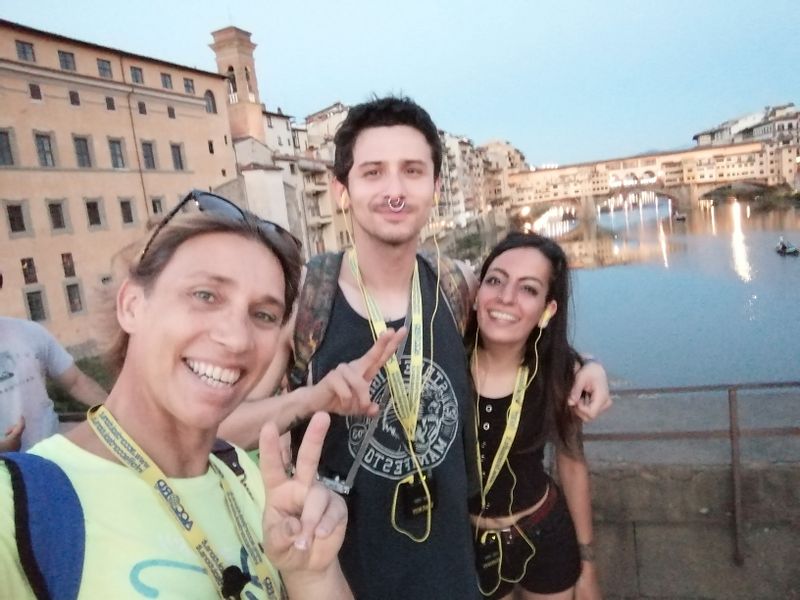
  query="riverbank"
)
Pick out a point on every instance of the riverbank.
point(666, 532)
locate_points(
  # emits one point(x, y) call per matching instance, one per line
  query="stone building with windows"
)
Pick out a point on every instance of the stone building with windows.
point(94, 143)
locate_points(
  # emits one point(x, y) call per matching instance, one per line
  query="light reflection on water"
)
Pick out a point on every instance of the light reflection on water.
point(688, 303)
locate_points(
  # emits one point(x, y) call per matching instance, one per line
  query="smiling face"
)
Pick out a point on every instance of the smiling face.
point(203, 334)
point(390, 162)
point(513, 296)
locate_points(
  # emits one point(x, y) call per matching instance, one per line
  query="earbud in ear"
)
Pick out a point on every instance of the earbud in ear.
point(546, 316)
point(475, 305)
point(344, 200)
point(436, 198)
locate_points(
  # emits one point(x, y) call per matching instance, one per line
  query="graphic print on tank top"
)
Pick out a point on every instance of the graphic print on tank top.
point(437, 426)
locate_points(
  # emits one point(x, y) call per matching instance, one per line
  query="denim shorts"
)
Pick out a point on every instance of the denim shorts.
point(550, 563)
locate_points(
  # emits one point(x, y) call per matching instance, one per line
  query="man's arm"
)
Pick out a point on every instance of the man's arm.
point(243, 426)
point(81, 387)
point(344, 390)
point(589, 396)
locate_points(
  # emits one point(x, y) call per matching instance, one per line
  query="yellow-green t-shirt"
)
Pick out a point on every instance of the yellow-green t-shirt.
point(134, 549)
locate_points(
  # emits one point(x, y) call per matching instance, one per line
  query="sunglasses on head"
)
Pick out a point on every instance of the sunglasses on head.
point(199, 201)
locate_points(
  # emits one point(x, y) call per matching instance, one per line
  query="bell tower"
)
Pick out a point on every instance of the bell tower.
point(234, 52)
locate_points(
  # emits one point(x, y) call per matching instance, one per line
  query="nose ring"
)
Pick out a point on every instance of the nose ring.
point(395, 203)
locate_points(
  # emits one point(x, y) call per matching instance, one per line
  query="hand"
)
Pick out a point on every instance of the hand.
point(13, 437)
point(588, 586)
point(589, 396)
point(345, 389)
point(304, 522)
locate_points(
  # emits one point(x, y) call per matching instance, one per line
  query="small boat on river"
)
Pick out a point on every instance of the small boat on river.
point(787, 249)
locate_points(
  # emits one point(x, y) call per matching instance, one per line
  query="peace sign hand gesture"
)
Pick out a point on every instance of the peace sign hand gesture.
point(345, 389)
point(304, 522)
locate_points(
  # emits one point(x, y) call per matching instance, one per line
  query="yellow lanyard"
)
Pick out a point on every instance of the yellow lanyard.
point(512, 424)
point(406, 402)
point(131, 455)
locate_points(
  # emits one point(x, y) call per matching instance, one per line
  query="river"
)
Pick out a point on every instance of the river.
point(704, 301)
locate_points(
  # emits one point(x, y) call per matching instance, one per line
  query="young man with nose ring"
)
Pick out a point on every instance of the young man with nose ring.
point(408, 534)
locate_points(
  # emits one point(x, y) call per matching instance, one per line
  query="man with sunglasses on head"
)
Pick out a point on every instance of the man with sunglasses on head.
point(408, 534)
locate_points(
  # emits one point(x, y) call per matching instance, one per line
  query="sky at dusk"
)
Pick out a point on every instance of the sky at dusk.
point(565, 82)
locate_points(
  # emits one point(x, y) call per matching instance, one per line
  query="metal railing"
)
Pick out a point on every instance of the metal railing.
point(734, 433)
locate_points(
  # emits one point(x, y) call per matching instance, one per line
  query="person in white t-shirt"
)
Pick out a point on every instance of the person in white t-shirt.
point(28, 355)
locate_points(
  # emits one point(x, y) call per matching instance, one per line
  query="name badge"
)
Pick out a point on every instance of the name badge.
point(413, 498)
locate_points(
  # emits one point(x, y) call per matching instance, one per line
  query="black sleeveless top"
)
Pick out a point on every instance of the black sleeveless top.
point(522, 480)
point(379, 562)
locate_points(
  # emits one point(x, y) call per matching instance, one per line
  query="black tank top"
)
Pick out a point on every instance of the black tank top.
point(379, 562)
point(522, 481)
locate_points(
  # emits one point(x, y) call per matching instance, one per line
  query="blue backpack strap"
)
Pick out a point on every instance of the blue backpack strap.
point(50, 529)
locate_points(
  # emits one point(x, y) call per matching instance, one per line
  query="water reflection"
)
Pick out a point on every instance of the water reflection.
point(740, 262)
point(662, 240)
point(645, 228)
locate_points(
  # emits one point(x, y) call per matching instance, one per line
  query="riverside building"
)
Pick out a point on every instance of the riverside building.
point(95, 142)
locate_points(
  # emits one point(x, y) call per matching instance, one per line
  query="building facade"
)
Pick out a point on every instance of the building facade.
point(94, 143)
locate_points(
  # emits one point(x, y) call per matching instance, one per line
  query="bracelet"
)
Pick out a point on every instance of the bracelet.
point(586, 551)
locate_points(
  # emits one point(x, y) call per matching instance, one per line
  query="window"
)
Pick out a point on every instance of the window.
point(68, 264)
point(171, 112)
point(74, 297)
point(74, 98)
point(177, 156)
point(29, 270)
point(211, 104)
point(166, 81)
point(136, 75)
point(280, 141)
point(35, 90)
point(25, 51)
point(269, 121)
point(44, 148)
point(16, 218)
point(188, 85)
point(117, 157)
point(210, 147)
point(35, 302)
point(104, 68)
point(6, 156)
point(158, 208)
point(93, 213)
point(149, 155)
point(110, 103)
point(82, 155)
point(142, 108)
point(66, 60)
point(56, 210)
point(292, 169)
point(126, 209)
